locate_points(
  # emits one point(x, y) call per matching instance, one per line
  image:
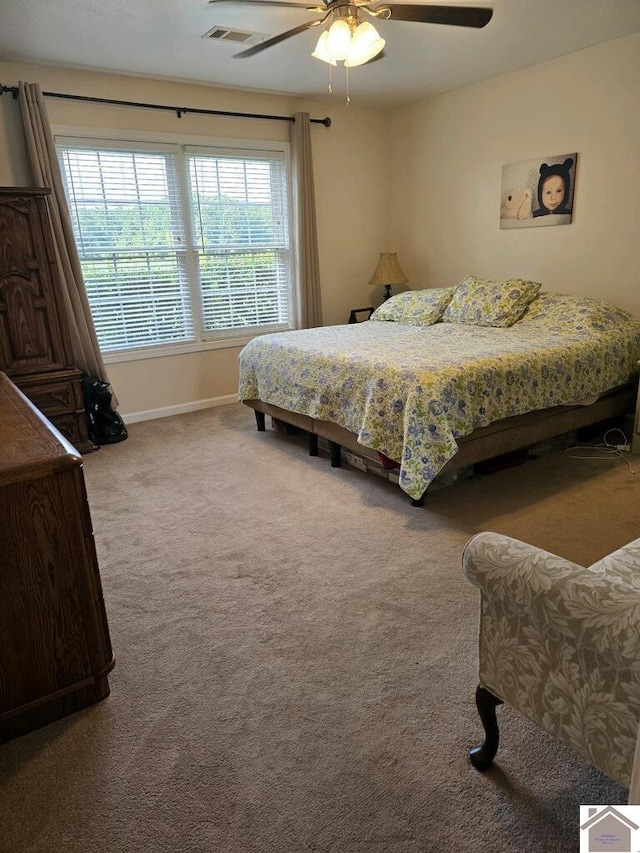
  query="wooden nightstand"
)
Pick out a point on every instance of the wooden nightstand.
point(353, 317)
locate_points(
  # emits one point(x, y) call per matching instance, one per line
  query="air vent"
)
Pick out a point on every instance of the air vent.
point(219, 33)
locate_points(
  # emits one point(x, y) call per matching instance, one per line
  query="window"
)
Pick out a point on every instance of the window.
point(179, 245)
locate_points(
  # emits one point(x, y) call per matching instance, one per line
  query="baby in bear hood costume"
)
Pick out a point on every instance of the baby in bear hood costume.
point(553, 188)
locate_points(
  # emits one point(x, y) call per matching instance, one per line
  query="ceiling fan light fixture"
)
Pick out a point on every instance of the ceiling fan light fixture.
point(365, 44)
point(355, 44)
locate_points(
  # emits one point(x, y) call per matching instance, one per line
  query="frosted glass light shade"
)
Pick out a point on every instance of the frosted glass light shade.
point(339, 39)
point(365, 44)
point(322, 51)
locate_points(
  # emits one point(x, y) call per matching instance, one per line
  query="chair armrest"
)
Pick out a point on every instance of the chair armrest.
point(596, 607)
point(623, 564)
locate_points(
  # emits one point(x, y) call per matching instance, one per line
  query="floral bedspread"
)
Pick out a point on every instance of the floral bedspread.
point(410, 391)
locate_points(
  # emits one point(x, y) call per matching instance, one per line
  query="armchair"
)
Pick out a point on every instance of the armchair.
point(560, 643)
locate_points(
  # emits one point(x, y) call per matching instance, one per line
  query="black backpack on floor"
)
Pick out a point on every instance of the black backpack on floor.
point(104, 424)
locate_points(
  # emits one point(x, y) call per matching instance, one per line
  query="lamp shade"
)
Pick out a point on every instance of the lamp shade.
point(322, 51)
point(365, 44)
point(339, 40)
point(388, 270)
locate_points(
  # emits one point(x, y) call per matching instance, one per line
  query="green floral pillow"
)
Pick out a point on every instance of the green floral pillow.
point(562, 312)
point(415, 307)
point(481, 302)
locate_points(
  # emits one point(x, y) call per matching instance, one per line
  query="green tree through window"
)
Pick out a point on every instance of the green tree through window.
point(180, 245)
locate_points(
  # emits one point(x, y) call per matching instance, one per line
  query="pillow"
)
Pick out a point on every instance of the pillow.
point(415, 307)
point(563, 312)
point(481, 302)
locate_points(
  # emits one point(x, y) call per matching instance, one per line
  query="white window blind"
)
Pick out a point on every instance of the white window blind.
point(179, 244)
point(240, 232)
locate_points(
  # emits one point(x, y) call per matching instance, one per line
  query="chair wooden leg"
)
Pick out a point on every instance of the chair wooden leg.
point(313, 444)
point(486, 703)
point(335, 455)
point(260, 422)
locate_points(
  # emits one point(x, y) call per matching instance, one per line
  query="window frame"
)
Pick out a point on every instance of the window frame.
point(182, 145)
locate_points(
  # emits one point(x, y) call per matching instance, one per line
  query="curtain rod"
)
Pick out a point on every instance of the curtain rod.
point(179, 111)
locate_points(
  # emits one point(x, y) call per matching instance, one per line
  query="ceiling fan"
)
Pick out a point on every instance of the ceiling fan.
point(353, 40)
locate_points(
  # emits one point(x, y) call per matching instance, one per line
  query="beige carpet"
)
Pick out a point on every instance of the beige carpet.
point(296, 658)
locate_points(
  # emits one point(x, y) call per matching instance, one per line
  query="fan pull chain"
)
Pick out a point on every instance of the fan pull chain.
point(348, 95)
point(330, 89)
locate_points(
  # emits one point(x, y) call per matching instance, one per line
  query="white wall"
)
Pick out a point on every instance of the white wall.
point(448, 153)
point(351, 196)
point(423, 181)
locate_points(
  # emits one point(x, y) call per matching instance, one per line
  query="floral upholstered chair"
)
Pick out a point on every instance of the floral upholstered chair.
point(561, 644)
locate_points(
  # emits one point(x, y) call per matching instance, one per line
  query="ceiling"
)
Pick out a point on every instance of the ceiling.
point(163, 38)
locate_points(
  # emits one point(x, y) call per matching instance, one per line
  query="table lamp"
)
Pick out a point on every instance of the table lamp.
point(388, 272)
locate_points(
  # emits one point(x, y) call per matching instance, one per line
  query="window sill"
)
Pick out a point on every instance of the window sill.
point(178, 349)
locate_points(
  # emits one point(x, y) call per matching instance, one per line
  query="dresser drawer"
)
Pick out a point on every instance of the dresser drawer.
point(68, 425)
point(53, 398)
point(60, 398)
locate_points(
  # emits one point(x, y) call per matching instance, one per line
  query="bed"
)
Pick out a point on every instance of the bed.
point(444, 378)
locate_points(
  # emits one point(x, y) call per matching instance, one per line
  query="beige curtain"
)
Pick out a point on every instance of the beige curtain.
point(305, 230)
point(46, 173)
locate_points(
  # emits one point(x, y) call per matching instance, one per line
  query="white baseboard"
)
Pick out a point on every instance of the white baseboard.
point(167, 411)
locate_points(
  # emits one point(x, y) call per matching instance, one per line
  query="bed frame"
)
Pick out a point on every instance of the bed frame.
point(500, 437)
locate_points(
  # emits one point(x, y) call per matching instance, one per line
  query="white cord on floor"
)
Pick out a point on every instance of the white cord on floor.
point(605, 450)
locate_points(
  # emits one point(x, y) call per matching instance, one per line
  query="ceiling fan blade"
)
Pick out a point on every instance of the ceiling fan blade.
point(455, 16)
point(251, 51)
point(283, 3)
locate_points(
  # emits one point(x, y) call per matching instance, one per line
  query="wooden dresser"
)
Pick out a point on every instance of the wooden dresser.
point(635, 429)
point(55, 651)
point(35, 349)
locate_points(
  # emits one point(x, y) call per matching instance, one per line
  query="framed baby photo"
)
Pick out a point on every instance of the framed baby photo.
point(538, 192)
